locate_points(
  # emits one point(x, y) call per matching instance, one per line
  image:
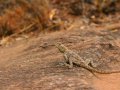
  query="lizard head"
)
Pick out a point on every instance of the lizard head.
point(61, 47)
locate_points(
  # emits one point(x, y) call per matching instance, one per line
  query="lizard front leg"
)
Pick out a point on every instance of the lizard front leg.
point(70, 63)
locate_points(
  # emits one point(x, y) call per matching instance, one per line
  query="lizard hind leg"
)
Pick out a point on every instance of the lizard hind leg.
point(91, 63)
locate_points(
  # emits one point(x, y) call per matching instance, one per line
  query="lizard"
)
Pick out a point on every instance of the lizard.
point(72, 58)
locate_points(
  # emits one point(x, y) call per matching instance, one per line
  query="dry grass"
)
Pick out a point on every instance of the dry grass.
point(18, 14)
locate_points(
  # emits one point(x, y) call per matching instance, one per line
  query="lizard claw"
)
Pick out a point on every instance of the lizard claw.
point(68, 65)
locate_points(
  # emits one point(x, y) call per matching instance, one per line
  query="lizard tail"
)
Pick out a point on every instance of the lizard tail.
point(106, 72)
point(100, 71)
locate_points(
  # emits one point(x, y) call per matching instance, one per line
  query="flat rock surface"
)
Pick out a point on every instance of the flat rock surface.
point(38, 65)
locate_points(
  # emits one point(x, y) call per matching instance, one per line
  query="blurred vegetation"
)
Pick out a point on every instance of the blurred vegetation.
point(16, 15)
point(87, 6)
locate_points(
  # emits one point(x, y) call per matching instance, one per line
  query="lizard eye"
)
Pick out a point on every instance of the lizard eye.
point(62, 50)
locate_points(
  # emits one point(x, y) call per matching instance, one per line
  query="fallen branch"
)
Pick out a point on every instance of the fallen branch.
point(23, 30)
